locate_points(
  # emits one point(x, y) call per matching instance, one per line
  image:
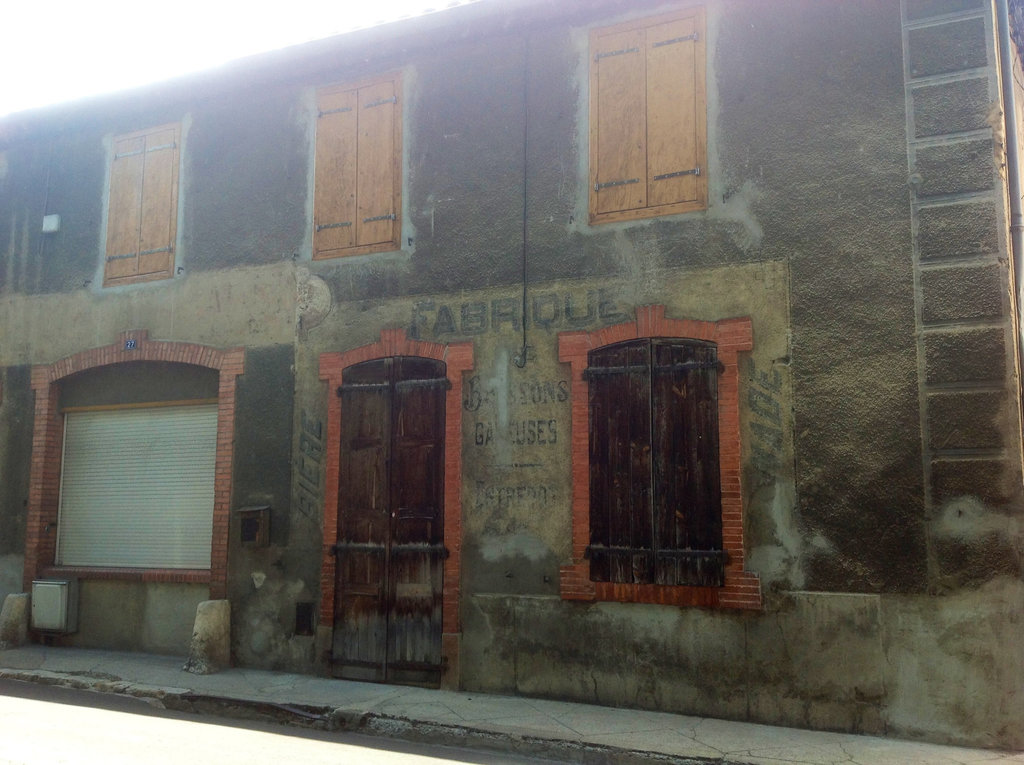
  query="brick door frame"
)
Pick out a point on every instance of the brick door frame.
point(742, 589)
point(47, 452)
point(458, 358)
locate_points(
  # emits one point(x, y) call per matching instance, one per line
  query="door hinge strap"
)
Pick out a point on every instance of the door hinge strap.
point(677, 174)
point(381, 102)
point(620, 52)
point(695, 36)
point(609, 184)
point(366, 547)
point(412, 548)
point(374, 219)
point(345, 387)
point(325, 226)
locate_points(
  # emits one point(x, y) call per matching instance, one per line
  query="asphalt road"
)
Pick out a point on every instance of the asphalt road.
point(48, 725)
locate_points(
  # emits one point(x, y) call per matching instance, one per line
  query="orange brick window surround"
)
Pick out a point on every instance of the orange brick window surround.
point(742, 589)
point(47, 434)
point(458, 358)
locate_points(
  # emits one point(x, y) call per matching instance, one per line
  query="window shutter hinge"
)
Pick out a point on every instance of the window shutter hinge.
point(610, 184)
point(620, 52)
point(324, 226)
point(139, 254)
point(334, 111)
point(695, 37)
point(147, 150)
point(677, 174)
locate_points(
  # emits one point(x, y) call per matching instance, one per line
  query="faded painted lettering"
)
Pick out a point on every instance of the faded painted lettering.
point(308, 492)
point(547, 310)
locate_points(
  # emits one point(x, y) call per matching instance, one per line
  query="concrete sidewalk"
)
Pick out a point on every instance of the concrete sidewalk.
point(554, 729)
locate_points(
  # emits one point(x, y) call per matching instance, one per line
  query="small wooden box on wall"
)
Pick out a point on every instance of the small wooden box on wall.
point(254, 525)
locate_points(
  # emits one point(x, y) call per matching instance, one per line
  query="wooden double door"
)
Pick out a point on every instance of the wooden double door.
point(390, 547)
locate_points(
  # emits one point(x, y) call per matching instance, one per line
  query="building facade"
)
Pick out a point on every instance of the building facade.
point(651, 354)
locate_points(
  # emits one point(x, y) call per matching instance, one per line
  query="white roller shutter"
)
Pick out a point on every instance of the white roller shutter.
point(137, 487)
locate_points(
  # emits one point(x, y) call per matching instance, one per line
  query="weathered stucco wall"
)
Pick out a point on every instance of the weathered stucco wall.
point(877, 288)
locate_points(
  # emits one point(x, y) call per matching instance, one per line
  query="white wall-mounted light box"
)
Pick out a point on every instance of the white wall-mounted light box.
point(55, 605)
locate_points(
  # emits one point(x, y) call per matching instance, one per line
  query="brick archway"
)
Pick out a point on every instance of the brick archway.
point(44, 490)
point(458, 358)
point(742, 588)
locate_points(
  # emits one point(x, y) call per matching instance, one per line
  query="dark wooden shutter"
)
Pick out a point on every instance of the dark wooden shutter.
point(655, 490)
point(687, 500)
point(621, 524)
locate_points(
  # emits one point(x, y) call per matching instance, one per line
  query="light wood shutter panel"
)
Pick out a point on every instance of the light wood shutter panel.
point(648, 122)
point(142, 210)
point(159, 203)
point(357, 197)
point(335, 194)
point(124, 208)
point(376, 176)
point(619, 143)
point(671, 113)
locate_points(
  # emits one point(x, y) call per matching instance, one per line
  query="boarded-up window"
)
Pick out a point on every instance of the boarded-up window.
point(648, 118)
point(143, 206)
point(655, 490)
point(357, 207)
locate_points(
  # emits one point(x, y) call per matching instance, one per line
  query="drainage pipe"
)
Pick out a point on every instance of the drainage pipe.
point(1012, 165)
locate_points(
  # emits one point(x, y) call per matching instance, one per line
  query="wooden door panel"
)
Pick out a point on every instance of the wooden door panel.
point(416, 566)
point(390, 545)
point(363, 530)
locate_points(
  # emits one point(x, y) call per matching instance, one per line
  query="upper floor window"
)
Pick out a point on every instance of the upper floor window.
point(142, 212)
point(648, 120)
point(357, 202)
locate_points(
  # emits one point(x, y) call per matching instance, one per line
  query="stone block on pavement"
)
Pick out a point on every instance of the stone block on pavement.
point(14, 621)
point(210, 648)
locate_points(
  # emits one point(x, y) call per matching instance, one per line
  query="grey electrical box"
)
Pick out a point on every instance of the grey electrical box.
point(55, 605)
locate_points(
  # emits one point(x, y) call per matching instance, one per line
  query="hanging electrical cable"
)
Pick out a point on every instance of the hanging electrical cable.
point(519, 359)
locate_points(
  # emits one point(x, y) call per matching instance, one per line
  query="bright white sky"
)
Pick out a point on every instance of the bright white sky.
point(59, 50)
